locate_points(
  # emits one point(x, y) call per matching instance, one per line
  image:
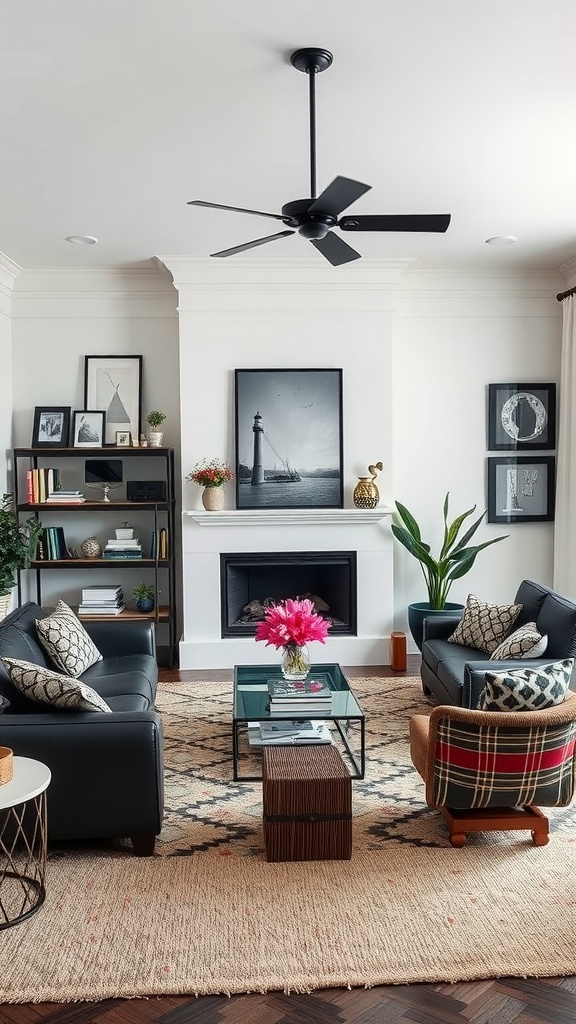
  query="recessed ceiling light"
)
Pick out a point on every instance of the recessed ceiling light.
point(501, 240)
point(81, 239)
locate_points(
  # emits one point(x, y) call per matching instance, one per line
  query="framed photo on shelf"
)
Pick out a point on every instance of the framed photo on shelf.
point(51, 426)
point(521, 489)
point(114, 384)
point(88, 428)
point(521, 416)
point(288, 438)
point(123, 439)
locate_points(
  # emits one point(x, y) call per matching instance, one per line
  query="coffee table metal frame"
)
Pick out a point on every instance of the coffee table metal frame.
point(251, 705)
point(23, 841)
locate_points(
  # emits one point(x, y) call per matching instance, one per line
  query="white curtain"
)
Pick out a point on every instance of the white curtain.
point(565, 518)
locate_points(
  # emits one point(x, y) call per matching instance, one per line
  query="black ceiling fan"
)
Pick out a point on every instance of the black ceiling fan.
point(314, 218)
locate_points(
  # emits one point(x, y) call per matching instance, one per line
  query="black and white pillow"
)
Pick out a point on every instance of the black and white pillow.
point(484, 625)
point(47, 687)
point(524, 642)
point(63, 636)
point(527, 689)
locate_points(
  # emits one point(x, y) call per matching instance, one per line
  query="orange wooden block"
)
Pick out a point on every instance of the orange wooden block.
point(398, 651)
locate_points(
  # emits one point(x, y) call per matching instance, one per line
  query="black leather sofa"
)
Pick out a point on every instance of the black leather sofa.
point(455, 674)
point(107, 769)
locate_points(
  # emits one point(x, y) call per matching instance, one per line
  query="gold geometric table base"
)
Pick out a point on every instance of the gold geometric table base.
point(22, 860)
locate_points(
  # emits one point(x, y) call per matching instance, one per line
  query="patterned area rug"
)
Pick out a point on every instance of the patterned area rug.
point(207, 812)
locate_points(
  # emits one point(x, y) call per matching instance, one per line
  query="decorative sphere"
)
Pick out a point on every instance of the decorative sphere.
point(90, 548)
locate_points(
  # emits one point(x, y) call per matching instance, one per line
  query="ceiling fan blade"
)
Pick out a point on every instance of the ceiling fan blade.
point(251, 245)
point(235, 209)
point(335, 249)
point(339, 194)
point(397, 222)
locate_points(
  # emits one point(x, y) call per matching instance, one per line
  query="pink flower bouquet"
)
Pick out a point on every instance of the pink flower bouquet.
point(292, 622)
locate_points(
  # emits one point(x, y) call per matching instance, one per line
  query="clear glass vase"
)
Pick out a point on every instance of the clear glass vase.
point(295, 661)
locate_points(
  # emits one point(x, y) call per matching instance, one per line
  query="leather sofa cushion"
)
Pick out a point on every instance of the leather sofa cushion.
point(135, 673)
point(558, 620)
point(128, 702)
point(435, 651)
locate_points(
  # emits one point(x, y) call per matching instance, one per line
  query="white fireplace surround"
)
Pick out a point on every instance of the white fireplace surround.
point(208, 534)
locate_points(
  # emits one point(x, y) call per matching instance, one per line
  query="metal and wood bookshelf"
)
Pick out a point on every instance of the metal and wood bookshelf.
point(160, 515)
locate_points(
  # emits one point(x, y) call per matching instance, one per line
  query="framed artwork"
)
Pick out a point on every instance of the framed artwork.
point(88, 428)
point(521, 489)
point(123, 438)
point(114, 384)
point(51, 426)
point(521, 416)
point(288, 438)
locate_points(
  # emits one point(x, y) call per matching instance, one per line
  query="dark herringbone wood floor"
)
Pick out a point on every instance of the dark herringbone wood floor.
point(501, 1001)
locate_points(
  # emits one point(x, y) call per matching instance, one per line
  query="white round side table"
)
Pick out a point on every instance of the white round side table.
point(23, 841)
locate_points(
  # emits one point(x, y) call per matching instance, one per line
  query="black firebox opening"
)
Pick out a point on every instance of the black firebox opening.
point(257, 577)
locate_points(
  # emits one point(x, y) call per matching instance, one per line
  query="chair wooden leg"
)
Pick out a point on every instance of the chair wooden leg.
point(495, 819)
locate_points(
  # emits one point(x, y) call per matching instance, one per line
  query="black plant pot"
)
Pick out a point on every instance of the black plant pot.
point(421, 610)
point(145, 604)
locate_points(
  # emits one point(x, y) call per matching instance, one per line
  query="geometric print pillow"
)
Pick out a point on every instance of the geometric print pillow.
point(64, 638)
point(527, 689)
point(484, 625)
point(48, 687)
point(525, 642)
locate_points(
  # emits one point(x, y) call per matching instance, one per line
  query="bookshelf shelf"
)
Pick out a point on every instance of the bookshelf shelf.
point(157, 517)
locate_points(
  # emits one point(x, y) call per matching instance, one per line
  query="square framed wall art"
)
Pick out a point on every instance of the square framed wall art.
point(114, 384)
point(521, 489)
point(51, 426)
point(521, 416)
point(288, 438)
point(88, 428)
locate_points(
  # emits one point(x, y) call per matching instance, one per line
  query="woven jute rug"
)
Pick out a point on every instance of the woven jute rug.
point(209, 915)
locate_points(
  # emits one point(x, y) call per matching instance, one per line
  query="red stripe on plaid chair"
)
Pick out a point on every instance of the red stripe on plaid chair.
point(501, 762)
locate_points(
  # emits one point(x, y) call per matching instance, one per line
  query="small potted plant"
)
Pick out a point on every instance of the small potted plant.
point(154, 436)
point(18, 543)
point(144, 595)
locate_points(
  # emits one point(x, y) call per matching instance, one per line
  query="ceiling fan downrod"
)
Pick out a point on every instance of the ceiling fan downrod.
point(312, 60)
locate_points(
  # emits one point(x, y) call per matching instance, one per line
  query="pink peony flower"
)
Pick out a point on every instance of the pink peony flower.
point(292, 622)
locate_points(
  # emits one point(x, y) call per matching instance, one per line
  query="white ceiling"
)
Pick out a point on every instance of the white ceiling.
point(114, 113)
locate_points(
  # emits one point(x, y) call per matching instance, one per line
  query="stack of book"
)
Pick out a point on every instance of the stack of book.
point(65, 498)
point(102, 599)
point(123, 548)
point(282, 734)
point(311, 696)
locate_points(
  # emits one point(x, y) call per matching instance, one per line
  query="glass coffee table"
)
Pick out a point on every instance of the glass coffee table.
point(251, 704)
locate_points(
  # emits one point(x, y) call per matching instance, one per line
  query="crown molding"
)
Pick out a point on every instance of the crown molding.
point(8, 273)
point(195, 273)
point(105, 282)
point(568, 271)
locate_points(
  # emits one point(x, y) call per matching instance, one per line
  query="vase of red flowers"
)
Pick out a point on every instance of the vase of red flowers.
point(211, 476)
point(290, 626)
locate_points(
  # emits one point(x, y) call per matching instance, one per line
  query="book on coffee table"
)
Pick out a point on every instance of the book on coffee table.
point(262, 734)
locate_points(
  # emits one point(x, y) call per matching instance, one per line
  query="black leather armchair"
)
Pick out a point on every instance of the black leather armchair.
point(107, 769)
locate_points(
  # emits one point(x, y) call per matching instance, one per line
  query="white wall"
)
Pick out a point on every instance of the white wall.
point(454, 333)
point(8, 273)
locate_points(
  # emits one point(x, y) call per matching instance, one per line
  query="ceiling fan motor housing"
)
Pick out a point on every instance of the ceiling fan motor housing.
point(309, 225)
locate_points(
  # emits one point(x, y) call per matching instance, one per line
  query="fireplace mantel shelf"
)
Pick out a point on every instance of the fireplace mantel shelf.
point(289, 517)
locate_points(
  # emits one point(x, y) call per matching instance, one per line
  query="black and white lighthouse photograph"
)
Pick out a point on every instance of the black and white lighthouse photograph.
point(289, 438)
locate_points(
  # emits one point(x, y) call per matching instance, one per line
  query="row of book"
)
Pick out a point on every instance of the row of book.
point(44, 486)
point(309, 696)
point(102, 600)
point(52, 545)
point(117, 549)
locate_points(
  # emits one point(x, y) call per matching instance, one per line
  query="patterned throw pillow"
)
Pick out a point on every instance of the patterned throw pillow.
point(64, 638)
point(484, 625)
point(48, 687)
point(525, 642)
point(527, 689)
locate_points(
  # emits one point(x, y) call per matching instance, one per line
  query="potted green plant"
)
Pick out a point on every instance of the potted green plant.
point(454, 561)
point(18, 543)
point(144, 595)
point(154, 420)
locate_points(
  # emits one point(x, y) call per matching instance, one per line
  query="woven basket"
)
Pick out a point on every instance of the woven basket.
point(6, 764)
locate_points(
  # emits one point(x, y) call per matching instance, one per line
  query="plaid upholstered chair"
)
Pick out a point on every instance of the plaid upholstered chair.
point(488, 770)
